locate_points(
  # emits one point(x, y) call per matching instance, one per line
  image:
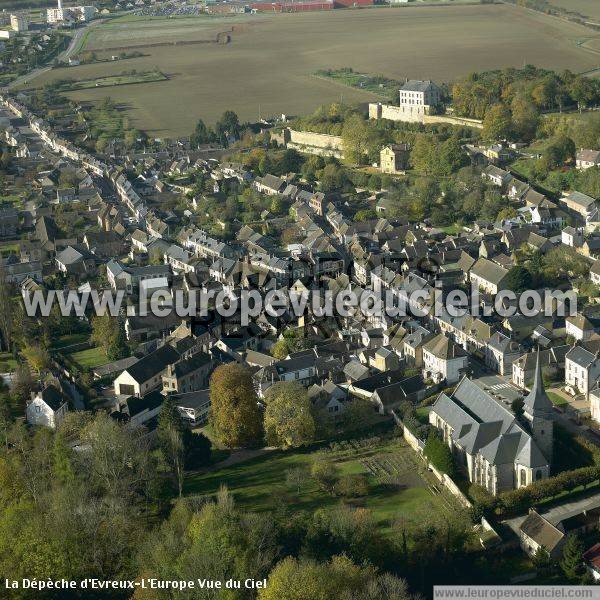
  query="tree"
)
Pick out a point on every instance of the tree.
point(497, 124)
point(352, 485)
point(288, 419)
point(201, 135)
point(438, 453)
point(543, 563)
point(109, 334)
point(37, 357)
point(234, 412)
point(228, 125)
point(6, 310)
point(170, 434)
point(325, 474)
point(296, 478)
point(304, 579)
point(517, 407)
point(357, 137)
point(572, 558)
point(118, 463)
point(518, 279)
point(118, 344)
point(332, 178)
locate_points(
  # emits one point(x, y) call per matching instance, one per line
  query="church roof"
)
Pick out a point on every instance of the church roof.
point(537, 401)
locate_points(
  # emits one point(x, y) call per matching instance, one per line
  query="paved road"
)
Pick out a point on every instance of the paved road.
point(62, 57)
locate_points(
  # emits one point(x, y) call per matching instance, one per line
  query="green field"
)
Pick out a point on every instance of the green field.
point(398, 482)
point(114, 80)
point(90, 358)
point(268, 67)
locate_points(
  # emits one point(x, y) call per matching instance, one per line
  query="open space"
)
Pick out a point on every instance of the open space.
point(272, 58)
point(90, 358)
point(587, 8)
point(398, 481)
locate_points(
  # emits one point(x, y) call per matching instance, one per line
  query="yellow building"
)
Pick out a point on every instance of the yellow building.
point(394, 158)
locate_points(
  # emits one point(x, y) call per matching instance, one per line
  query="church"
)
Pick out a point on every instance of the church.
point(499, 450)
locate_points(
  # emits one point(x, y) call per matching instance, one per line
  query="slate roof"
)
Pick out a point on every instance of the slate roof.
point(489, 271)
point(482, 425)
point(443, 347)
point(416, 85)
point(541, 531)
point(153, 364)
point(52, 397)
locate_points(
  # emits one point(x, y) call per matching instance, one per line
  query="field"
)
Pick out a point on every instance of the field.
point(587, 8)
point(89, 358)
point(398, 483)
point(114, 80)
point(267, 68)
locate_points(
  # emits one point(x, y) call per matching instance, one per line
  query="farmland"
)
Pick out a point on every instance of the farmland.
point(587, 8)
point(268, 67)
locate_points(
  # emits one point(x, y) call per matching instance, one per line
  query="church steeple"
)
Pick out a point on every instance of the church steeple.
point(537, 402)
point(539, 412)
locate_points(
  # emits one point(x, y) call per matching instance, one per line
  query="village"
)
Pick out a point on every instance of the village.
point(504, 394)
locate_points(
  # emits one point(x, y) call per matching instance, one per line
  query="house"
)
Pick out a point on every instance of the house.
point(422, 96)
point(140, 410)
point(591, 247)
point(587, 158)
point(385, 359)
point(497, 176)
point(19, 271)
point(76, 260)
point(500, 352)
point(394, 158)
point(552, 363)
point(105, 244)
point(487, 275)
point(591, 558)
point(580, 327)
point(387, 398)
point(497, 451)
point(572, 236)
point(443, 359)
point(47, 408)
point(582, 367)
point(193, 406)
point(536, 532)
point(583, 205)
point(189, 375)
point(328, 399)
point(129, 278)
point(270, 185)
point(146, 374)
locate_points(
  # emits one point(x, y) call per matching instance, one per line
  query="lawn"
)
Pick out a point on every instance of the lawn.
point(556, 399)
point(398, 483)
point(268, 66)
point(68, 340)
point(6, 358)
point(90, 358)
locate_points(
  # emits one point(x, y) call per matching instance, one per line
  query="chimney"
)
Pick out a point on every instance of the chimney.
point(59, 4)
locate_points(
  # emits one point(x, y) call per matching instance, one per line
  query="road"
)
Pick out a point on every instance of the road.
point(62, 57)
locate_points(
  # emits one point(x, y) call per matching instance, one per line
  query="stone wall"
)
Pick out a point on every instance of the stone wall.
point(416, 114)
point(315, 143)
